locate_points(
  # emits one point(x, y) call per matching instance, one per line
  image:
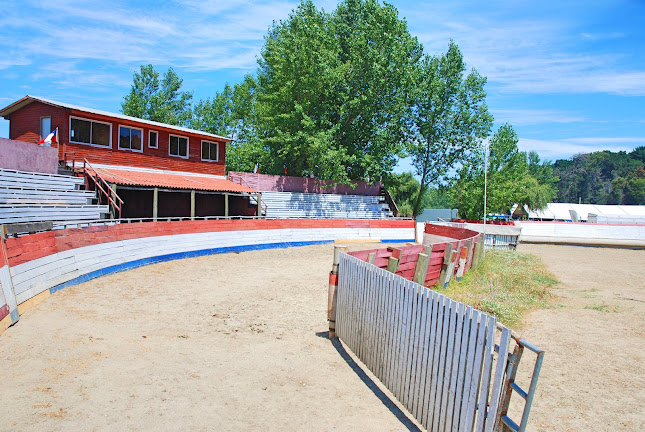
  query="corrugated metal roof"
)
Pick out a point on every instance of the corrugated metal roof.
point(29, 99)
point(171, 181)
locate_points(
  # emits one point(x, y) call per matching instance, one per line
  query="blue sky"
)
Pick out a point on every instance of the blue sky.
point(569, 76)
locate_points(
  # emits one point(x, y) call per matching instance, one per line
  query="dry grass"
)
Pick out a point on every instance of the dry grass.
point(506, 284)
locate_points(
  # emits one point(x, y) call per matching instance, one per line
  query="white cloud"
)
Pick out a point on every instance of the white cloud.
point(566, 148)
point(523, 117)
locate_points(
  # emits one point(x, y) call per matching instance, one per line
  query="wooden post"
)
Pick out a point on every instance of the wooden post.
point(450, 271)
point(155, 203)
point(112, 208)
point(463, 258)
point(371, 257)
point(331, 294)
point(192, 204)
point(260, 204)
point(447, 255)
point(421, 268)
point(392, 264)
point(226, 204)
point(477, 255)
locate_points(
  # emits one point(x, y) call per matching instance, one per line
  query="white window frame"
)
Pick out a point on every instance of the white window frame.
point(201, 152)
point(41, 126)
point(156, 146)
point(187, 146)
point(118, 144)
point(90, 144)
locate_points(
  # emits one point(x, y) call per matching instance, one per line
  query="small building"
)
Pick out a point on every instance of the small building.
point(157, 169)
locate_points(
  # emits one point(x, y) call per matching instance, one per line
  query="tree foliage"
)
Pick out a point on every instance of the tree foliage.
point(513, 178)
point(334, 90)
point(602, 177)
point(451, 118)
point(158, 100)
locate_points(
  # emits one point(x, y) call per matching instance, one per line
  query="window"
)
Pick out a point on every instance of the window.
point(178, 146)
point(90, 132)
point(45, 126)
point(153, 139)
point(210, 151)
point(130, 138)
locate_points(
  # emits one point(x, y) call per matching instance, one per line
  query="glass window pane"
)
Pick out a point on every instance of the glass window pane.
point(101, 134)
point(174, 146)
point(205, 150)
point(183, 147)
point(80, 131)
point(152, 139)
point(45, 126)
point(214, 151)
point(124, 137)
point(135, 139)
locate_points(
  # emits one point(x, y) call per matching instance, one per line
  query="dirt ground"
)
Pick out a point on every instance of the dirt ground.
point(238, 342)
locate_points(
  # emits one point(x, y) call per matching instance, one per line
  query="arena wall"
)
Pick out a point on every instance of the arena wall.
point(583, 234)
point(37, 265)
point(277, 183)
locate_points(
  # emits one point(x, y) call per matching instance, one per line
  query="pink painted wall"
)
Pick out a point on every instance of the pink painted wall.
point(24, 156)
point(273, 183)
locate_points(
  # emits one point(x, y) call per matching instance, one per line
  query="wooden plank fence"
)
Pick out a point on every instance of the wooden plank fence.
point(443, 360)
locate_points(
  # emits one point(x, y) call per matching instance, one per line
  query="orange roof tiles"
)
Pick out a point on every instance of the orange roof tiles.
point(172, 181)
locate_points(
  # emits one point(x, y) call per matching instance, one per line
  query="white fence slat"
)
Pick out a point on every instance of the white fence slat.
point(442, 363)
point(390, 319)
point(447, 370)
point(455, 365)
point(500, 369)
point(468, 377)
point(489, 350)
point(436, 359)
point(426, 361)
point(409, 334)
point(419, 378)
point(474, 384)
point(416, 353)
point(434, 327)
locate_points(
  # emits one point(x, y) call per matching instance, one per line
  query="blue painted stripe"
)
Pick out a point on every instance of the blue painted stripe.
point(398, 241)
point(179, 255)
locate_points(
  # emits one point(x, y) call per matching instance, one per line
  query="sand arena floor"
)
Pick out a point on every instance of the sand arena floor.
point(237, 342)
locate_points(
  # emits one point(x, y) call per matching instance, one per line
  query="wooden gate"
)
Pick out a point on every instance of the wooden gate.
point(446, 362)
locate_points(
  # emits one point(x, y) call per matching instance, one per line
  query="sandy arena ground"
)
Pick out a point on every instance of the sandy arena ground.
point(238, 342)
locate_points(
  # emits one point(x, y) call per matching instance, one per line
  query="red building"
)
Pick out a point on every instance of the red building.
point(159, 170)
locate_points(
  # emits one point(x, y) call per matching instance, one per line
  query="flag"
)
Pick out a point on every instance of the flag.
point(285, 169)
point(49, 139)
point(256, 170)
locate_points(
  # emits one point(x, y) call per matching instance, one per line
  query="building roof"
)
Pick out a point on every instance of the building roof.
point(560, 211)
point(171, 181)
point(6, 111)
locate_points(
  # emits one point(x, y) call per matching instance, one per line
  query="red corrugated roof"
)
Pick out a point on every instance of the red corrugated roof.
point(171, 181)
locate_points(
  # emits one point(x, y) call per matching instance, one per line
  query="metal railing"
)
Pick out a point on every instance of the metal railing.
point(102, 185)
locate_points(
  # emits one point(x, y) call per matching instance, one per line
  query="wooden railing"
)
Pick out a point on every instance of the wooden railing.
point(112, 198)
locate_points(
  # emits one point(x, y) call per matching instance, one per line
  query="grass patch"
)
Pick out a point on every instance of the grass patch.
point(604, 307)
point(506, 285)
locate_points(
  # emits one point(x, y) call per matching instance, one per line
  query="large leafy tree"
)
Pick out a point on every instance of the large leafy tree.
point(334, 90)
point(451, 118)
point(510, 179)
point(157, 99)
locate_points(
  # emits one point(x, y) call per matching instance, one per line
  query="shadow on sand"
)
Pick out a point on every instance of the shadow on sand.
point(384, 398)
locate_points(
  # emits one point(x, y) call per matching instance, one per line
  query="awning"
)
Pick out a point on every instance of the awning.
point(171, 181)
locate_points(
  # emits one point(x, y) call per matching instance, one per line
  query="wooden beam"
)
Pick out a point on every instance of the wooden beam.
point(112, 209)
point(447, 255)
point(226, 204)
point(155, 203)
point(259, 204)
point(371, 257)
point(421, 268)
point(392, 264)
point(331, 294)
point(192, 204)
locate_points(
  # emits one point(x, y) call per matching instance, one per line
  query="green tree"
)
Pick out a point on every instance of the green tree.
point(451, 118)
point(510, 180)
point(333, 90)
point(159, 100)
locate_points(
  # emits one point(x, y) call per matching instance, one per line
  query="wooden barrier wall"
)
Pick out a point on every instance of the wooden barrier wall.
point(444, 260)
point(37, 265)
